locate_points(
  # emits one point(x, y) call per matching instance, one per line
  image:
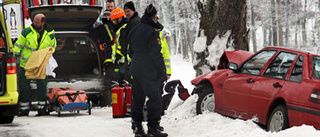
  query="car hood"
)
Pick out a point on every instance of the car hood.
point(68, 17)
point(237, 56)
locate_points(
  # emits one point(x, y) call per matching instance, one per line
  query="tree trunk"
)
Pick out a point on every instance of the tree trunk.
point(253, 29)
point(218, 19)
point(279, 20)
point(274, 24)
point(303, 29)
point(318, 19)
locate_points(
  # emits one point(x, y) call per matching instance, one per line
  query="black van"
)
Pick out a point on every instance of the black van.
point(77, 52)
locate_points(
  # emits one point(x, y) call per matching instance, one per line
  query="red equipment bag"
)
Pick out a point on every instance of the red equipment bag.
point(71, 96)
point(121, 101)
point(66, 95)
point(52, 91)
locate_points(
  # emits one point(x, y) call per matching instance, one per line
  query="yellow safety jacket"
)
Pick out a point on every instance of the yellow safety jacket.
point(116, 48)
point(28, 42)
point(165, 53)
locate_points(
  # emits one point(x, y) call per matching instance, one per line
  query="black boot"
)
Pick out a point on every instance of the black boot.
point(138, 130)
point(155, 132)
point(160, 128)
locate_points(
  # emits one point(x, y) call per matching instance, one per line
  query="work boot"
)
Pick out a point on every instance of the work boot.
point(138, 130)
point(160, 128)
point(155, 132)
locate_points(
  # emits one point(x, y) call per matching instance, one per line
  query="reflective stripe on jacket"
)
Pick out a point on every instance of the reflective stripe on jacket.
point(108, 58)
point(28, 43)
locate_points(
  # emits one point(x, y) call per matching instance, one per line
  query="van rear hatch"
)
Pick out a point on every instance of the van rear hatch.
point(68, 17)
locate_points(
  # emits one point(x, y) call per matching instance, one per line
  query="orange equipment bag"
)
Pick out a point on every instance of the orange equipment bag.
point(66, 96)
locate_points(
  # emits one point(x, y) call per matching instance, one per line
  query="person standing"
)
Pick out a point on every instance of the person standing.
point(105, 34)
point(38, 36)
point(148, 73)
point(166, 57)
point(133, 20)
point(110, 5)
point(118, 18)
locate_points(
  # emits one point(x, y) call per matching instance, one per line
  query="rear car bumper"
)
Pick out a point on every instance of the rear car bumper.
point(11, 96)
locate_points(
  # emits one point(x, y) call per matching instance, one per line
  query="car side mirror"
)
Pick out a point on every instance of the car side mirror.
point(233, 66)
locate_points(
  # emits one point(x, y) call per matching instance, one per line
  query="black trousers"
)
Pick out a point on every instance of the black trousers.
point(142, 88)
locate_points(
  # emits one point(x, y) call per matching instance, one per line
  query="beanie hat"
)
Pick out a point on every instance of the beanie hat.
point(129, 5)
point(107, 15)
point(117, 13)
point(150, 11)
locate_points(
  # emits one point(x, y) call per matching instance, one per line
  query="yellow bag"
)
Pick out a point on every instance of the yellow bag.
point(37, 63)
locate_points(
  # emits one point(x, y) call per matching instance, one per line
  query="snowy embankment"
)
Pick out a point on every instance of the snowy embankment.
point(180, 120)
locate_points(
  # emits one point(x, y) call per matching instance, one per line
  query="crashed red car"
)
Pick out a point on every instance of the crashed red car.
point(276, 87)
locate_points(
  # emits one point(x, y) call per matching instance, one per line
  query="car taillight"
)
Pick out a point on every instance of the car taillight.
point(11, 66)
point(315, 96)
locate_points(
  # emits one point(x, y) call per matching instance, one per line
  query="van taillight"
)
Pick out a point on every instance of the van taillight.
point(11, 66)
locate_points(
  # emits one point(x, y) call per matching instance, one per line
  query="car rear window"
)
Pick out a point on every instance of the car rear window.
point(315, 62)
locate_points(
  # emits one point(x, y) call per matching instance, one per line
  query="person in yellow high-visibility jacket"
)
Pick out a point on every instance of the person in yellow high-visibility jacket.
point(117, 16)
point(38, 36)
point(165, 54)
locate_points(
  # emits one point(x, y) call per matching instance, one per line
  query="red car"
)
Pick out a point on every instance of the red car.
point(276, 87)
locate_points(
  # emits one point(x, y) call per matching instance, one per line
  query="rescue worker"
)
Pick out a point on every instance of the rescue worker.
point(165, 53)
point(166, 57)
point(38, 36)
point(148, 73)
point(117, 16)
point(110, 5)
point(106, 33)
point(133, 20)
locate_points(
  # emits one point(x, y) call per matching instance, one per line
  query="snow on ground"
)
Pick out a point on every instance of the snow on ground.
point(180, 120)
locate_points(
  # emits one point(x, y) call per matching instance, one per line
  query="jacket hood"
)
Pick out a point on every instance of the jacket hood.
point(147, 20)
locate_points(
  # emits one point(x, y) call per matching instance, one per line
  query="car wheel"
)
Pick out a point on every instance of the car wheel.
point(278, 120)
point(206, 101)
point(5, 119)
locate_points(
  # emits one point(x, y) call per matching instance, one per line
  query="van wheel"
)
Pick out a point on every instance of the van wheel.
point(206, 101)
point(5, 119)
point(278, 120)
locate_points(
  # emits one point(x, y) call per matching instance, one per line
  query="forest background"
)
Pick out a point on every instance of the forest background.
point(284, 23)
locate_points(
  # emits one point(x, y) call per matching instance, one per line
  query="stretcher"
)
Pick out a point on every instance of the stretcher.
point(65, 99)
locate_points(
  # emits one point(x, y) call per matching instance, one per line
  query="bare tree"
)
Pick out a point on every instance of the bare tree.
point(274, 23)
point(218, 17)
point(279, 21)
point(253, 28)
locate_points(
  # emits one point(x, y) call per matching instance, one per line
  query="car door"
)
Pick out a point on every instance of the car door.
point(237, 87)
point(269, 84)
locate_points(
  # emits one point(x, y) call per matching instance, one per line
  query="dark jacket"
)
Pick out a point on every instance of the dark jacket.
point(144, 50)
point(134, 21)
point(104, 38)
